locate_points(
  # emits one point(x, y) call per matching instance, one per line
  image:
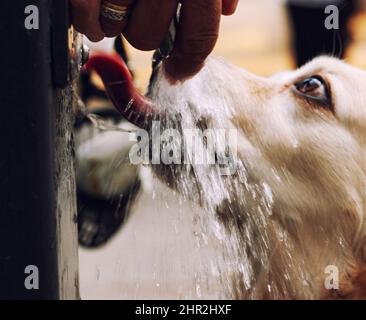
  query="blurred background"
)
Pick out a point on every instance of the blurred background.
point(258, 37)
point(151, 254)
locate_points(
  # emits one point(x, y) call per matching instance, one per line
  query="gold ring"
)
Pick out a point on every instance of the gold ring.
point(113, 11)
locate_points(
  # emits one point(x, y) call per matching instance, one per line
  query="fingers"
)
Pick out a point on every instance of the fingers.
point(85, 17)
point(229, 7)
point(113, 28)
point(196, 37)
point(149, 23)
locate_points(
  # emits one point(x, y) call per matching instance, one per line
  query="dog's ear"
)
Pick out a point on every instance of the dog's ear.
point(352, 285)
point(363, 250)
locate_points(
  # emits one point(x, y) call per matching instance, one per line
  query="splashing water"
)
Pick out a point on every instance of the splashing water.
point(237, 207)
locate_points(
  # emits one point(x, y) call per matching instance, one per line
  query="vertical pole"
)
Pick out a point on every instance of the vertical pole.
point(37, 189)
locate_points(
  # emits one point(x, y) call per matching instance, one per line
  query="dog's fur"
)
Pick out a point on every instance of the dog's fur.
point(297, 203)
point(313, 160)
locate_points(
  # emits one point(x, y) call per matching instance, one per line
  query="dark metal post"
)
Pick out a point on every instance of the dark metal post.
point(37, 189)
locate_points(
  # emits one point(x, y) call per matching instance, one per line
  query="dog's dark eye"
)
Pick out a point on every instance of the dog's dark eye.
point(314, 88)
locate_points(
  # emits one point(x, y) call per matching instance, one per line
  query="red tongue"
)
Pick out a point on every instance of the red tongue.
point(118, 83)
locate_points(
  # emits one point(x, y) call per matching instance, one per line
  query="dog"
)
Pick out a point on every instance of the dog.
point(296, 204)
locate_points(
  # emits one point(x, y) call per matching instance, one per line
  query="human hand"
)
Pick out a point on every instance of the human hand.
point(148, 23)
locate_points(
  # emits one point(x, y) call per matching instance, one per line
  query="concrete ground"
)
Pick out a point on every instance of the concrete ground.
point(156, 254)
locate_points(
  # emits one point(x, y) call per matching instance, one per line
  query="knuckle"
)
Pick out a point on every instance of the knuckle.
point(94, 38)
point(111, 34)
point(110, 29)
point(143, 44)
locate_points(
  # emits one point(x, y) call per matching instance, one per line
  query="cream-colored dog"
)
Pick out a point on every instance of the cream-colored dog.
point(297, 202)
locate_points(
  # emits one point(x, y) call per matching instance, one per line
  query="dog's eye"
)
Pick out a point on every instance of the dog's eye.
point(314, 88)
